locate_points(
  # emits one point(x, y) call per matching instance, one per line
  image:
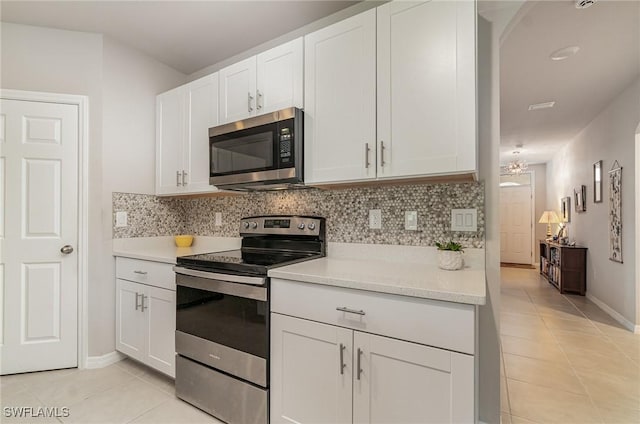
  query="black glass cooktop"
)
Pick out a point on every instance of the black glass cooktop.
point(255, 262)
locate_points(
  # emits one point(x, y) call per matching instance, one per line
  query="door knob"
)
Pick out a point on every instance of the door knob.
point(66, 249)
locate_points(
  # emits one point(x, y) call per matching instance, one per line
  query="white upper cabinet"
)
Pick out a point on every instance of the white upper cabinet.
point(391, 93)
point(169, 140)
point(238, 91)
point(426, 88)
point(201, 97)
point(280, 77)
point(340, 101)
point(183, 118)
point(261, 84)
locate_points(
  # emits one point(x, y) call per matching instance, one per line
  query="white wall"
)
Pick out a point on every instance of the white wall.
point(489, 163)
point(42, 59)
point(609, 137)
point(121, 85)
point(540, 199)
point(130, 83)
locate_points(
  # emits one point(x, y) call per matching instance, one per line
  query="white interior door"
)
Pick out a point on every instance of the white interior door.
point(39, 182)
point(515, 225)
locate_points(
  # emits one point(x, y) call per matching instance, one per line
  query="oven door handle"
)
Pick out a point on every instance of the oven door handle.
point(214, 285)
point(254, 281)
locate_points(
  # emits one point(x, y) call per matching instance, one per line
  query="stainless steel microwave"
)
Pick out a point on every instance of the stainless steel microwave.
point(259, 153)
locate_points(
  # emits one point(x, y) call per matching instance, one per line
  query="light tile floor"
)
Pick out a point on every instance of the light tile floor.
point(125, 392)
point(564, 360)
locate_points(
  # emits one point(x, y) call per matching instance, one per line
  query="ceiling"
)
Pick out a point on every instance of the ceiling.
point(186, 35)
point(608, 34)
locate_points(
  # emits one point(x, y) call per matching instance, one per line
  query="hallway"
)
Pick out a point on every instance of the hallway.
point(564, 359)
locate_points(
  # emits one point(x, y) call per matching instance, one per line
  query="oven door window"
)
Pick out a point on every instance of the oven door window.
point(244, 151)
point(235, 322)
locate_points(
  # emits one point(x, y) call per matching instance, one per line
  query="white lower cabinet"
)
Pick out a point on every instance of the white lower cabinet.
point(324, 373)
point(146, 324)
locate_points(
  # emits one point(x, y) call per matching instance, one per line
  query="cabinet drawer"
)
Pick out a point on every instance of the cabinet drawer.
point(434, 323)
point(156, 274)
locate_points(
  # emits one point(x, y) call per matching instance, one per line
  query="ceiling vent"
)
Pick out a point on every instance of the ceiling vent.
point(539, 106)
point(583, 4)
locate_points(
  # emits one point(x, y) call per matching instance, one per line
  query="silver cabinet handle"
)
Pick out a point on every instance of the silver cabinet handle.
point(258, 104)
point(366, 155)
point(137, 305)
point(342, 364)
point(358, 365)
point(142, 307)
point(350, 311)
point(66, 249)
point(249, 98)
point(137, 271)
point(382, 162)
point(184, 178)
point(178, 178)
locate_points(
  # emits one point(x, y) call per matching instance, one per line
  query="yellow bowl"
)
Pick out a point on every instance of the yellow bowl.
point(183, 240)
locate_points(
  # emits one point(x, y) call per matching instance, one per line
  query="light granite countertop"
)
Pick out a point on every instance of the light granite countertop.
point(163, 249)
point(401, 270)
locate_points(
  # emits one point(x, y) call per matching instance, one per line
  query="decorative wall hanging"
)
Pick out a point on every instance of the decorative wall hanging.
point(597, 182)
point(565, 209)
point(580, 197)
point(615, 212)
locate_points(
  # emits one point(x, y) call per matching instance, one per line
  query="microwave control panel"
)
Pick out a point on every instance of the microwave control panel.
point(286, 145)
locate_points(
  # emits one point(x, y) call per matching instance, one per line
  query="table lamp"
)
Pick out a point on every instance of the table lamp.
point(549, 217)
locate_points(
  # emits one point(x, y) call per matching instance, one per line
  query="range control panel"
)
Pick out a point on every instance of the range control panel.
point(285, 225)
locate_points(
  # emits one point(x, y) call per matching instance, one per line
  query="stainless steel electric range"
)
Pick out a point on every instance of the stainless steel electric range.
point(222, 316)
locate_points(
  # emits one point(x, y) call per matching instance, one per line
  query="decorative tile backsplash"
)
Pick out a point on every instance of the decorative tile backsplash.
point(346, 211)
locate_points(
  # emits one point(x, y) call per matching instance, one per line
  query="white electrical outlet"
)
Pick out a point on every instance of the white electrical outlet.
point(411, 220)
point(121, 219)
point(218, 221)
point(375, 219)
point(464, 220)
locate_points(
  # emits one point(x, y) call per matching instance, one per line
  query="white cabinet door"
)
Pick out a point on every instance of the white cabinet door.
point(403, 382)
point(201, 102)
point(130, 319)
point(279, 77)
point(340, 101)
point(238, 91)
point(160, 312)
point(169, 141)
point(426, 88)
point(307, 383)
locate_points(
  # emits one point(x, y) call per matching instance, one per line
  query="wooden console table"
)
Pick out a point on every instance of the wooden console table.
point(565, 267)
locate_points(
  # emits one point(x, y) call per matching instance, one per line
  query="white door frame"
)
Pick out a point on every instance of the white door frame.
point(83, 190)
point(637, 219)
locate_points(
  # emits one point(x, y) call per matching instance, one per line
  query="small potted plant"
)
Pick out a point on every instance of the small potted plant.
point(450, 255)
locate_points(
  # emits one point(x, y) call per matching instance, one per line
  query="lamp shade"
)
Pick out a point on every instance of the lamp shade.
point(549, 217)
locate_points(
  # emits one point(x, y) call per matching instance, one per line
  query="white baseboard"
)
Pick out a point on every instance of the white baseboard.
point(614, 314)
point(104, 360)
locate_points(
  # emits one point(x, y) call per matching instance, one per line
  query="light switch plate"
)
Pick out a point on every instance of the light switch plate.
point(375, 219)
point(121, 219)
point(464, 220)
point(218, 220)
point(411, 220)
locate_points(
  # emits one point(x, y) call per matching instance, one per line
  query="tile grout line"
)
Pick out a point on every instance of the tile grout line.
point(586, 390)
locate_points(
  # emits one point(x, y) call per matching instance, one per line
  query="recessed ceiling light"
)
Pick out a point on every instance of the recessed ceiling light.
point(538, 106)
point(564, 53)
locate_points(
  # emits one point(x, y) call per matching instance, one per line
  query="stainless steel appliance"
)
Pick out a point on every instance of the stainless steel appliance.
point(222, 316)
point(259, 153)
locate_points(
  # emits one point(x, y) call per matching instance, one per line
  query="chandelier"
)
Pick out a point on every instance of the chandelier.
point(516, 166)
